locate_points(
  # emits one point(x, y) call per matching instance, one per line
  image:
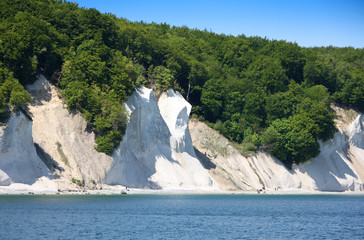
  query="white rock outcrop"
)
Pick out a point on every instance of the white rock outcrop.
point(18, 157)
point(156, 150)
point(62, 138)
point(4, 179)
point(161, 149)
point(356, 145)
point(338, 167)
point(226, 165)
point(332, 169)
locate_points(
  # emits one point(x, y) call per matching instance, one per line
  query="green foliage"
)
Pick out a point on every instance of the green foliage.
point(107, 142)
point(292, 137)
point(12, 93)
point(353, 91)
point(249, 147)
point(256, 92)
point(290, 140)
point(96, 81)
point(268, 74)
point(77, 182)
point(61, 153)
point(26, 48)
point(212, 99)
point(280, 105)
point(160, 77)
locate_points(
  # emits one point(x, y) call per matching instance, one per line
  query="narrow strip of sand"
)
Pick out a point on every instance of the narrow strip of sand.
point(23, 189)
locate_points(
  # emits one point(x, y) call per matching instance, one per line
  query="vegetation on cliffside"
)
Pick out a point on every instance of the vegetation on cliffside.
point(257, 92)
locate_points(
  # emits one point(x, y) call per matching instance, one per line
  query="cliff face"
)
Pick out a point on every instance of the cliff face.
point(155, 151)
point(339, 167)
point(161, 149)
point(18, 158)
point(63, 141)
point(4, 178)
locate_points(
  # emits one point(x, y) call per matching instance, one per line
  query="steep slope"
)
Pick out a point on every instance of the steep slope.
point(18, 158)
point(356, 146)
point(339, 167)
point(156, 150)
point(161, 149)
point(226, 165)
point(4, 179)
point(63, 141)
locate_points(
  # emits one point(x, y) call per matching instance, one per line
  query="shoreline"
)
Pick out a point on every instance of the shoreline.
point(136, 191)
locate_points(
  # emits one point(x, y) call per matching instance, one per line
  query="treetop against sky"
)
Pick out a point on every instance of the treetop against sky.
point(309, 23)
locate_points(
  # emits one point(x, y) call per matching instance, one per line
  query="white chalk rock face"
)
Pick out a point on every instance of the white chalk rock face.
point(156, 151)
point(4, 179)
point(332, 169)
point(338, 167)
point(18, 157)
point(226, 165)
point(273, 173)
point(356, 132)
point(356, 147)
point(62, 135)
point(175, 111)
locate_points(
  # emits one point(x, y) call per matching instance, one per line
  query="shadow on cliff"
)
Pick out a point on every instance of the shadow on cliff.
point(330, 166)
point(204, 160)
point(40, 91)
point(47, 159)
point(18, 157)
point(147, 139)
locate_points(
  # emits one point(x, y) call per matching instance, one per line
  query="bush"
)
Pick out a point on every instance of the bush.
point(249, 147)
point(77, 182)
point(107, 142)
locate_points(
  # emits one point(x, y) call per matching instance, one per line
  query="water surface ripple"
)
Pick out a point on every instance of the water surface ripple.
point(182, 217)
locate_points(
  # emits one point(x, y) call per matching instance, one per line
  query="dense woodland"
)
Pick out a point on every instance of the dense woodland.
point(259, 93)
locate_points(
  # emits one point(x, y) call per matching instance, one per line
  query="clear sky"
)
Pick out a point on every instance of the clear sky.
point(307, 22)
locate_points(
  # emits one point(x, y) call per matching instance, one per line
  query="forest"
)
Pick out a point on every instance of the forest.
point(259, 93)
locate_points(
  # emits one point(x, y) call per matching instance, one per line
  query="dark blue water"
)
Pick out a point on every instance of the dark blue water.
point(182, 217)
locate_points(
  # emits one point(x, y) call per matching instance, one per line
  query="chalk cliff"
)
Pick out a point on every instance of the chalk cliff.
point(63, 140)
point(156, 150)
point(52, 148)
point(18, 157)
point(339, 166)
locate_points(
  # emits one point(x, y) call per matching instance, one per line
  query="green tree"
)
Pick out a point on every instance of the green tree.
point(160, 77)
point(212, 99)
point(27, 47)
point(290, 140)
point(12, 93)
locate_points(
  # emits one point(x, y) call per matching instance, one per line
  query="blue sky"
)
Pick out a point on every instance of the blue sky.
point(307, 22)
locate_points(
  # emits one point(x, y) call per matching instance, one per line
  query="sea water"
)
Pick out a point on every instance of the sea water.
point(182, 217)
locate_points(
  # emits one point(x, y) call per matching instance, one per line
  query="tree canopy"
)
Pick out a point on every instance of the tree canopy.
point(257, 92)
